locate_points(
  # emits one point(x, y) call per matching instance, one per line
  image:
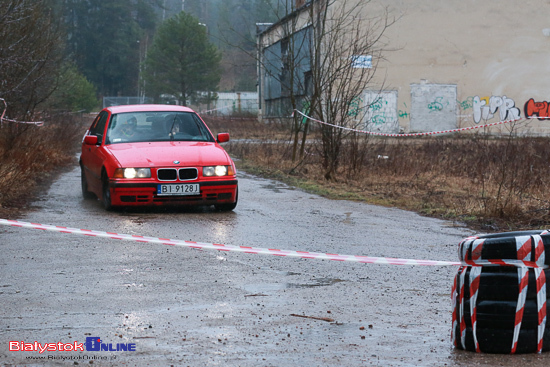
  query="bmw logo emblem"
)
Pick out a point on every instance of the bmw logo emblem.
point(176, 162)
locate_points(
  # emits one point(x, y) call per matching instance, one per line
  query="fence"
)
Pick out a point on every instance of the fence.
point(227, 103)
point(232, 103)
point(119, 101)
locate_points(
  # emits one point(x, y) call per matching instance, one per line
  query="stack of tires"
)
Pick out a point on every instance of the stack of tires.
point(500, 293)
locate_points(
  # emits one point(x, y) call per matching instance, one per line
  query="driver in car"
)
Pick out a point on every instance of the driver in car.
point(124, 130)
point(129, 126)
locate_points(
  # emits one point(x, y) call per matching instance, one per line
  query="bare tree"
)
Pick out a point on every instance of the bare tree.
point(324, 55)
point(30, 54)
point(348, 47)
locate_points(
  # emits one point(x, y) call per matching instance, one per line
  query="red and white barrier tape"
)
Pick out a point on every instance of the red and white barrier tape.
point(267, 251)
point(220, 247)
point(462, 277)
point(475, 278)
point(454, 320)
point(37, 123)
point(2, 119)
point(411, 134)
point(523, 248)
point(540, 277)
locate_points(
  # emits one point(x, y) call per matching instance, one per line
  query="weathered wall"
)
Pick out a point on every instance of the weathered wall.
point(433, 106)
point(492, 56)
point(494, 52)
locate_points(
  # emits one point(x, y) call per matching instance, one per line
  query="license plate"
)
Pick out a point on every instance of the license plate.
point(178, 189)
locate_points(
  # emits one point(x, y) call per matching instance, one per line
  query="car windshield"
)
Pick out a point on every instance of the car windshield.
point(156, 126)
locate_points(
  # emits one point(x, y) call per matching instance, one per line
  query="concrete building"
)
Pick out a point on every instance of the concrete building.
point(448, 64)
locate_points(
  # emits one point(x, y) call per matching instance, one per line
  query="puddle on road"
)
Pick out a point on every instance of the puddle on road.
point(349, 219)
point(277, 187)
point(271, 287)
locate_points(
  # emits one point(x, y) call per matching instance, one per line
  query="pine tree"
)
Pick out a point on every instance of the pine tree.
point(181, 61)
point(104, 40)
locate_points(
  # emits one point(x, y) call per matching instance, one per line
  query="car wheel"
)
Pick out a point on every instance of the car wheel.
point(227, 207)
point(106, 193)
point(86, 194)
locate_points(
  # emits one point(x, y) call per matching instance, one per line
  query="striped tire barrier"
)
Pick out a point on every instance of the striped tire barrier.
point(502, 309)
point(501, 284)
point(502, 246)
point(493, 339)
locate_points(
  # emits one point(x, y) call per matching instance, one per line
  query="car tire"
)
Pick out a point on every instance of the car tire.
point(500, 341)
point(227, 207)
point(501, 284)
point(502, 246)
point(86, 194)
point(496, 316)
point(106, 193)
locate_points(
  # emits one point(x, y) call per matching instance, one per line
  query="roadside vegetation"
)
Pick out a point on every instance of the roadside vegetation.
point(39, 83)
point(488, 183)
point(30, 156)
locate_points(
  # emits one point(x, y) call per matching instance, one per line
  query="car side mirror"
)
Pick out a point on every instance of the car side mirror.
point(90, 140)
point(223, 137)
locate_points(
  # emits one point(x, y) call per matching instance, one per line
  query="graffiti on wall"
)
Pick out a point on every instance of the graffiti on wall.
point(540, 110)
point(355, 106)
point(486, 108)
point(403, 114)
point(381, 111)
point(438, 104)
point(467, 103)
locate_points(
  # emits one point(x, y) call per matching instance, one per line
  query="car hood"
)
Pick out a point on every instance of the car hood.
point(162, 154)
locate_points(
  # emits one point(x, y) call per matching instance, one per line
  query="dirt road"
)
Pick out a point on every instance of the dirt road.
point(185, 307)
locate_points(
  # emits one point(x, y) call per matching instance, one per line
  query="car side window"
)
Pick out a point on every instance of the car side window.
point(98, 128)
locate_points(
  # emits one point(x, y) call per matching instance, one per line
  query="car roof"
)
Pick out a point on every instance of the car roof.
point(148, 108)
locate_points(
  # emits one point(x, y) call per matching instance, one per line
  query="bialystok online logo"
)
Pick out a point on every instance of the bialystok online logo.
point(93, 344)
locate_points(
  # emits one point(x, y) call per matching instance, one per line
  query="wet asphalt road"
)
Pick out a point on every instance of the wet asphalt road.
point(189, 307)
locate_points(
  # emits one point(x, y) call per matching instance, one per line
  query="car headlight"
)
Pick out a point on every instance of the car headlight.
point(217, 171)
point(133, 172)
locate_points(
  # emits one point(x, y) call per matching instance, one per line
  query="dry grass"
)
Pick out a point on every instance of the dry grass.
point(491, 184)
point(30, 155)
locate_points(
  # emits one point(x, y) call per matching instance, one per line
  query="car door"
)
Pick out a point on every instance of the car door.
point(92, 156)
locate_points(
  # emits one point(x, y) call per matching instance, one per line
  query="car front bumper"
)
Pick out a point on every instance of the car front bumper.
point(124, 193)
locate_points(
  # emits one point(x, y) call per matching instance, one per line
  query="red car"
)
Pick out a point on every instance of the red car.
point(156, 155)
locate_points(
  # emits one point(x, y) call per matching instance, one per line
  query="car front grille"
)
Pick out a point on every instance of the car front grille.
point(167, 174)
point(172, 174)
point(188, 173)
